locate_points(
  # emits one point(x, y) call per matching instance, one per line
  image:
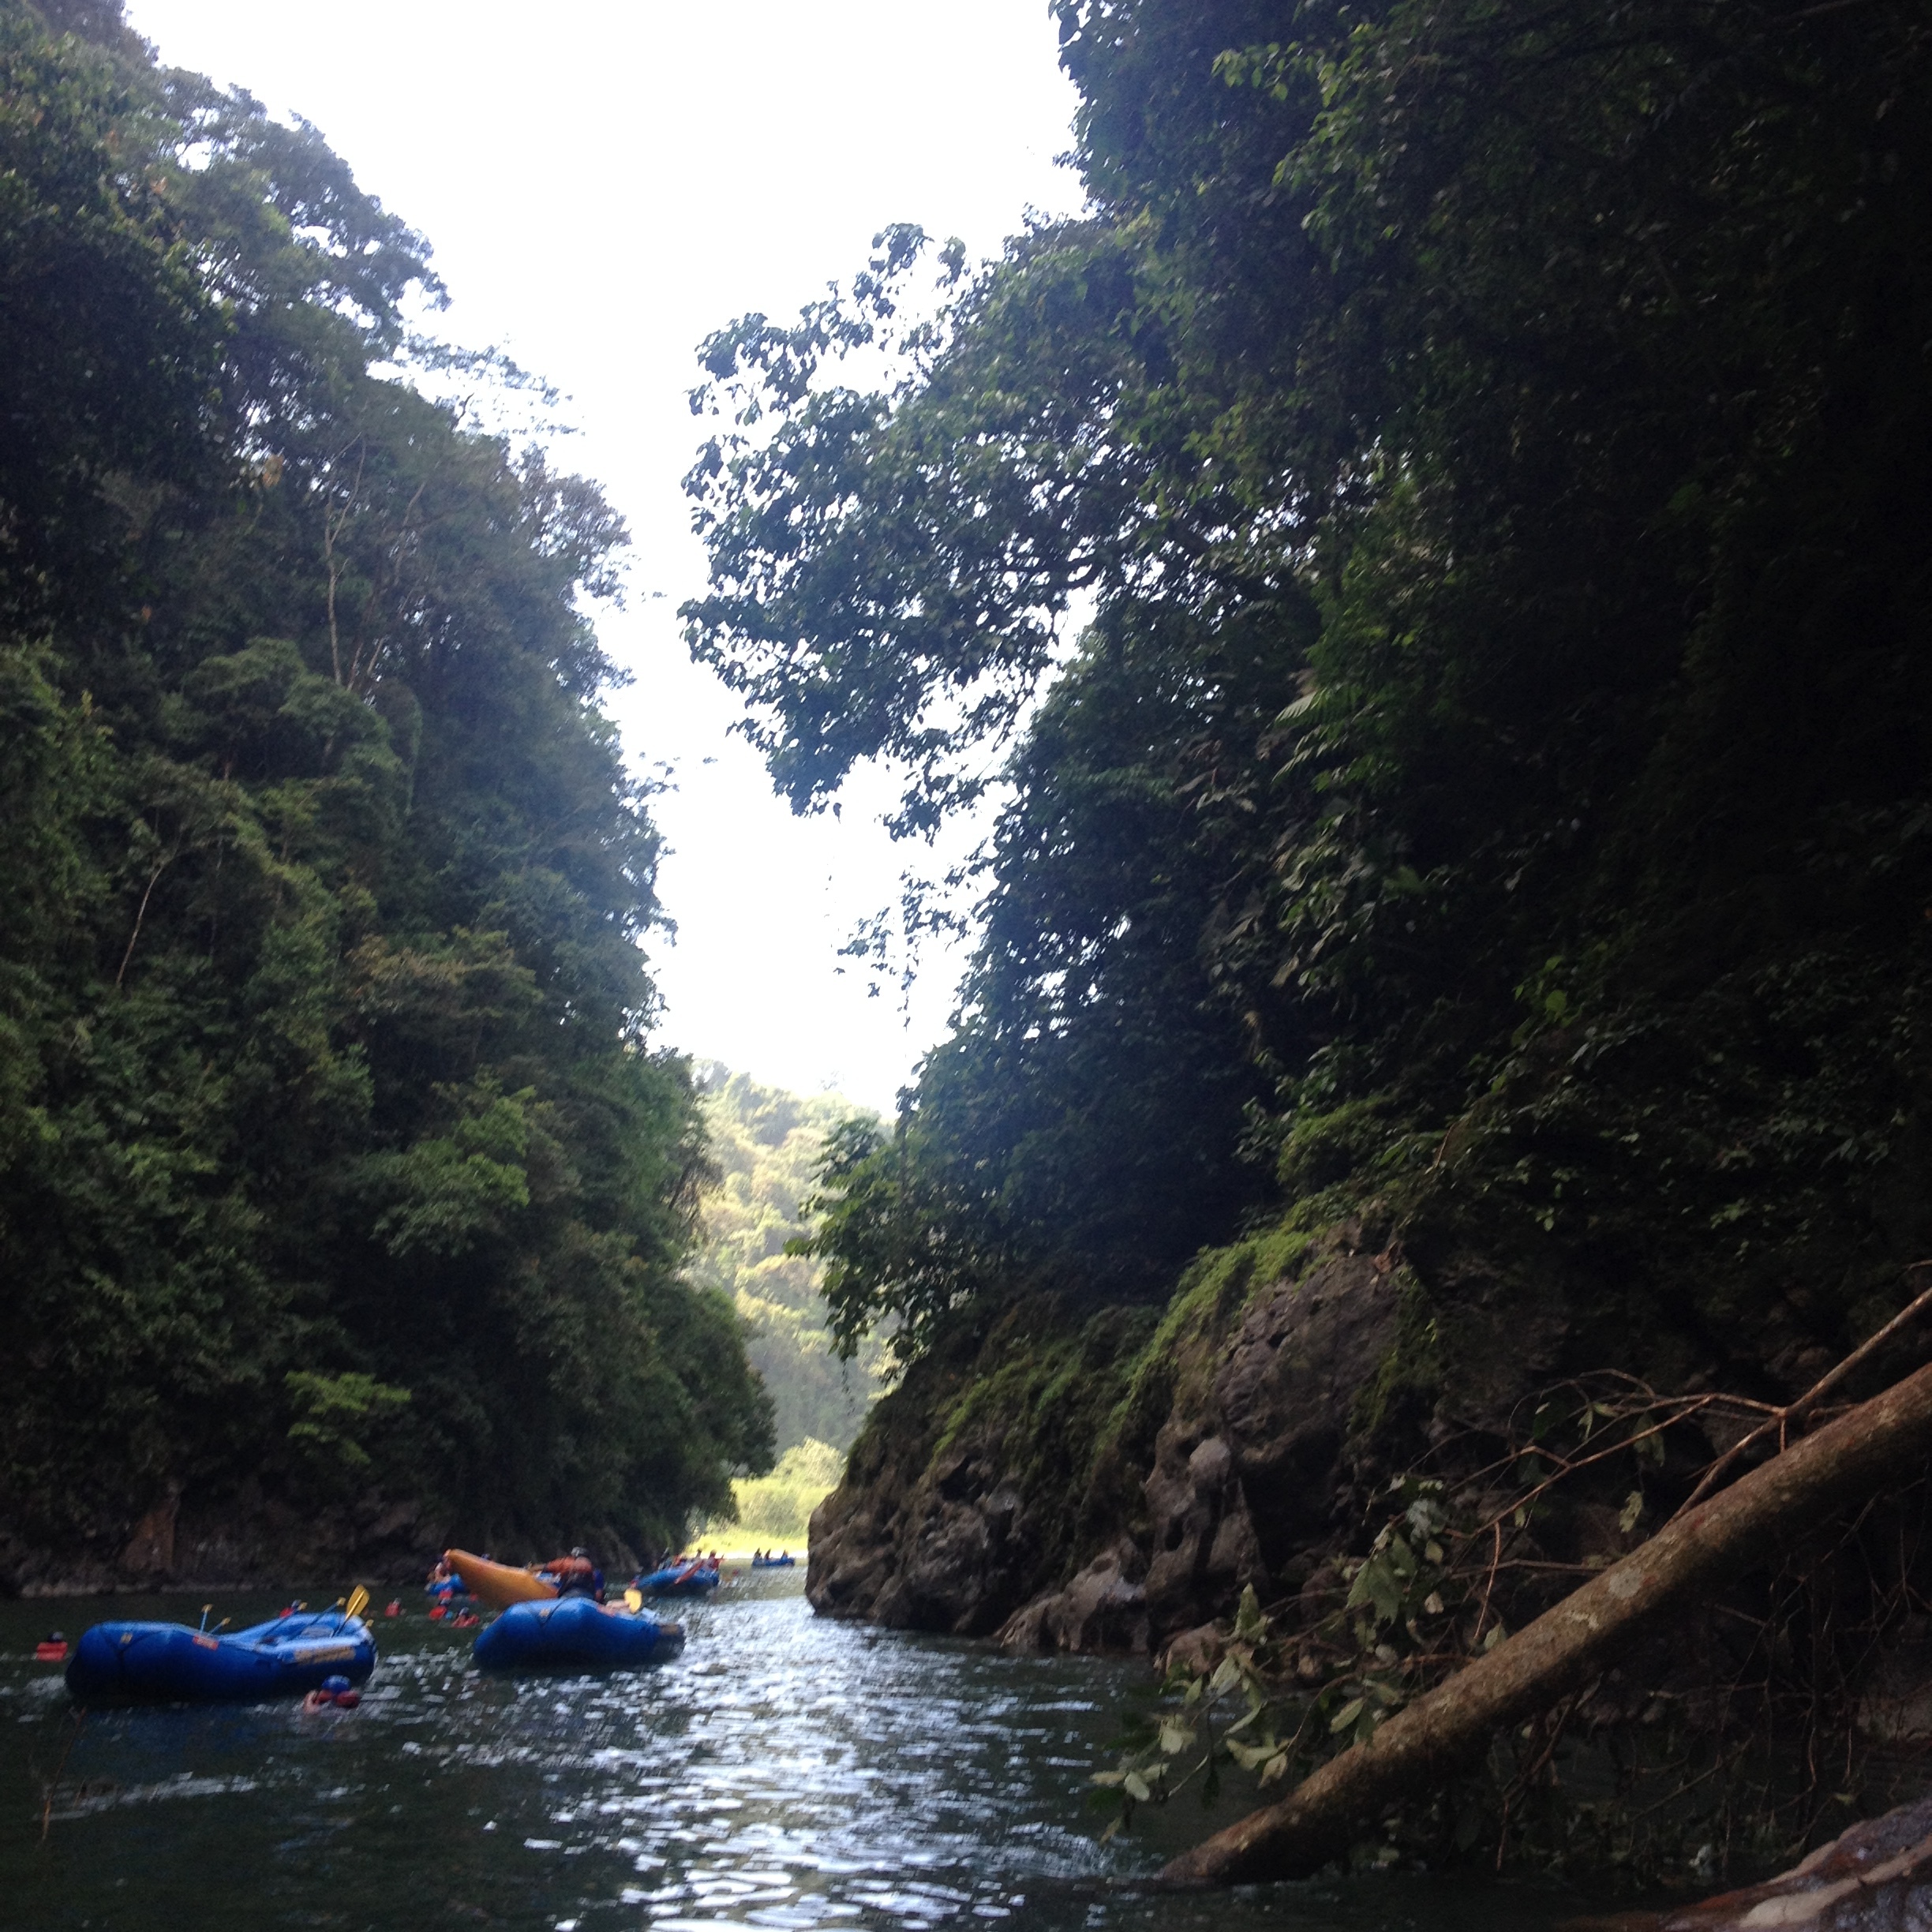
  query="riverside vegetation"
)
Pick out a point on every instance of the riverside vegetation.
point(1446, 1057)
point(342, 1190)
point(766, 1146)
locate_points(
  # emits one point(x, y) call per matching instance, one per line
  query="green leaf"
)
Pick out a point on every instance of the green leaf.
point(1376, 1586)
point(1250, 1626)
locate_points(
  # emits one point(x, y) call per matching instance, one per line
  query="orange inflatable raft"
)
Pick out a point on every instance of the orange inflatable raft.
point(498, 1584)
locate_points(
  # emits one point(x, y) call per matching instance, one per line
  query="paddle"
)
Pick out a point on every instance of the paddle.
point(358, 1603)
point(633, 1598)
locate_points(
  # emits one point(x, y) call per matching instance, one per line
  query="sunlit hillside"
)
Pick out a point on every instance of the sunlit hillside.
point(773, 1511)
point(766, 1142)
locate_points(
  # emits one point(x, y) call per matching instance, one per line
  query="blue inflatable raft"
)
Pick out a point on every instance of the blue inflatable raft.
point(774, 1563)
point(679, 1580)
point(577, 1634)
point(173, 1663)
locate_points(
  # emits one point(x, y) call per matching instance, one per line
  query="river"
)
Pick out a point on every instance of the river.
point(786, 1772)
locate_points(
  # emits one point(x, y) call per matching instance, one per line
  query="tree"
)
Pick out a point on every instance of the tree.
point(1533, 393)
point(1083, 1125)
point(328, 1064)
point(766, 1145)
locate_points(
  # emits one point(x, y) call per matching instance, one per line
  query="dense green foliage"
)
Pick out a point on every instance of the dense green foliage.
point(765, 1148)
point(1496, 436)
point(774, 1511)
point(329, 1126)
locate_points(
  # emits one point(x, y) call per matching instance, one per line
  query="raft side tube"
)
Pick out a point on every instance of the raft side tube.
point(679, 1580)
point(575, 1633)
point(173, 1663)
point(499, 1585)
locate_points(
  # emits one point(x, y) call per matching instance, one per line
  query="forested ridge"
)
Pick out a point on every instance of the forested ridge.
point(335, 1156)
point(1455, 947)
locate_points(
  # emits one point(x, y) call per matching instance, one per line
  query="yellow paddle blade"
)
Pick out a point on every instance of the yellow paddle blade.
point(633, 1600)
point(358, 1603)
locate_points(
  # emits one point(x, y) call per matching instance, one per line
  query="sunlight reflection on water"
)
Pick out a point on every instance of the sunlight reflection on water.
point(786, 1772)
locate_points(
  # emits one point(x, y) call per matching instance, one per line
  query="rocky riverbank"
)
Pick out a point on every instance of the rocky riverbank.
point(1399, 1458)
point(1081, 1484)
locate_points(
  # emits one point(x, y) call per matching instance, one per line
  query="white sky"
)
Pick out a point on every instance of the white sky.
point(604, 183)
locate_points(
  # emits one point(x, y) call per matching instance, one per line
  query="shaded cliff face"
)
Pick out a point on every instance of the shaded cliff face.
point(1065, 1480)
point(999, 1452)
point(1231, 1446)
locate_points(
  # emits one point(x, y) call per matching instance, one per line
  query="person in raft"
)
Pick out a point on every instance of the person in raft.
point(576, 1575)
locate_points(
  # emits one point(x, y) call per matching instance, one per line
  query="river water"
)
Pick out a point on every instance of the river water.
point(786, 1772)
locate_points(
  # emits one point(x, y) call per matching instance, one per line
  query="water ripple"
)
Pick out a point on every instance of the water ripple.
point(786, 1774)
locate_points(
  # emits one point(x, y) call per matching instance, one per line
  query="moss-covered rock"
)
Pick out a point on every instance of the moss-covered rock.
point(1105, 1480)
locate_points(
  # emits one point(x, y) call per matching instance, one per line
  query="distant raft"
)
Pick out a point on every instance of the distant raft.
point(575, 1633)
point(173, 1663)
point(499, 1585)
point(774, 1563)
point(679, 1580)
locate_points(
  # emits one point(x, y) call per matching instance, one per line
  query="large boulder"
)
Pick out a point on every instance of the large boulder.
point(958, 1519)
point(1250, 1485)
point(1104, 1608)
point(928, 1530)
point(1300, 1381)
point(1875, 1878)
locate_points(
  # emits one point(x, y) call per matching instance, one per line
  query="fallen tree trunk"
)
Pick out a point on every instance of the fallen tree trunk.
point(1709, 1547)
